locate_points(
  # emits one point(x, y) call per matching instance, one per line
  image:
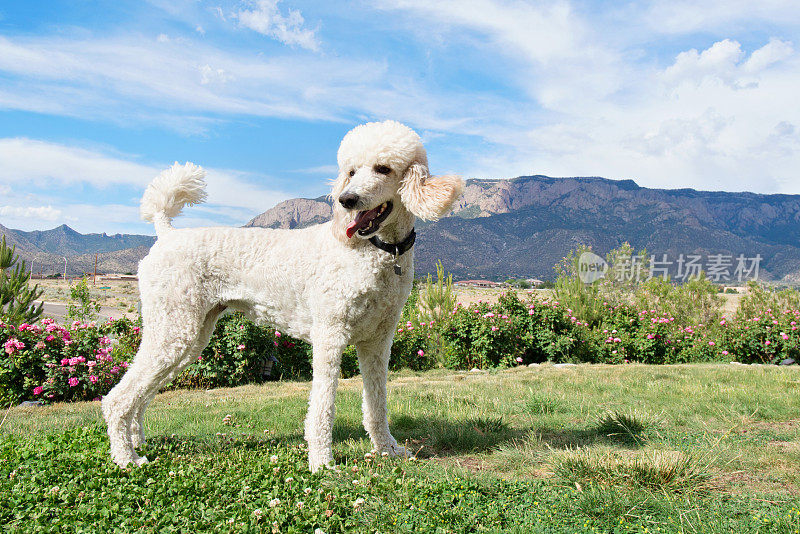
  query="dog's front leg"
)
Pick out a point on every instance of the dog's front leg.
point(373, 360)
point(326, 364)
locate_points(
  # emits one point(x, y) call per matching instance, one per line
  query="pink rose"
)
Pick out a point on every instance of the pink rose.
point(420, 353)
point(38, 390)
point(73, 382)
point(93, 379)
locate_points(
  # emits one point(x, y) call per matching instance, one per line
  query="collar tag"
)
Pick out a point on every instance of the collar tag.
point(396, 249)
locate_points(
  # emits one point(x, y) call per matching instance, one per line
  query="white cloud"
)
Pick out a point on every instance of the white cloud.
point(719, 60)
point(724, 61)
point(267, 19)
point(188, 86)
point(25, 160)
point(234, 196)
point(46, 213)
point(773, 52)
point(685, 16)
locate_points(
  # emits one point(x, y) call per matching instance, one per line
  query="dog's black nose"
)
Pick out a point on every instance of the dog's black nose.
point(349, 200)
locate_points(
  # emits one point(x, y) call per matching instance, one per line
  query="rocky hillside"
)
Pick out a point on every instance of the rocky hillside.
point(47, 249)
point(520, 227)
point(523, 226)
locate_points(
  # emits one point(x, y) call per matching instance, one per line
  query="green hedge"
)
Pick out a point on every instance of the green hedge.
point(83, 361)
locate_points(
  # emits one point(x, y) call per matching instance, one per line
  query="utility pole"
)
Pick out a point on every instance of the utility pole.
point(65, 267)
point(94, 277)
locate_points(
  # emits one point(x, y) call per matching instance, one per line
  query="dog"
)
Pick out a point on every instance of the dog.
point(335, 284)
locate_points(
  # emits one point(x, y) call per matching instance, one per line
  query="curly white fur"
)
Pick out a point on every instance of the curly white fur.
point(173, 189)
point(313, 283)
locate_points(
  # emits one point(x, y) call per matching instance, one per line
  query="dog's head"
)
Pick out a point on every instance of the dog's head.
point(383, 171)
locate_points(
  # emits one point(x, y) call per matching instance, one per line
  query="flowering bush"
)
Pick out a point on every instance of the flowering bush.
point(85, 360)
point(242, 352)
point(51, 362)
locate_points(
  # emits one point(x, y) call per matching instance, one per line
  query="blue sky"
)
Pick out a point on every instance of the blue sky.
point(97, 97)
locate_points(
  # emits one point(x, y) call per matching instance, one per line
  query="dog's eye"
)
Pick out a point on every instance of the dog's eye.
point(352, 172)
point(382, 169)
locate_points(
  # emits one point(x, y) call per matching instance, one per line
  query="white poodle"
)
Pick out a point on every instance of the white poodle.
point(338, 283)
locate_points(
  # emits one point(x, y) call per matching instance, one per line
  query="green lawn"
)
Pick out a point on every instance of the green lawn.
point(588, 448)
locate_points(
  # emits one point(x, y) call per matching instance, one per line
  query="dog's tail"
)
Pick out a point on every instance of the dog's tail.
point(166, 196)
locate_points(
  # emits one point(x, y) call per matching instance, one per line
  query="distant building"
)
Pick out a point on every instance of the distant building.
point(535, 282)
point(118, 277)
point(477, 283)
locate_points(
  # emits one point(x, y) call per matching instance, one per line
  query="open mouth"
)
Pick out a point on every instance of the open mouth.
point(369, 221)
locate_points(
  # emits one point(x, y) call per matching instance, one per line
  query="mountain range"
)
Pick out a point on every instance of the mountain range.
point(522, 227)
point(45, 251)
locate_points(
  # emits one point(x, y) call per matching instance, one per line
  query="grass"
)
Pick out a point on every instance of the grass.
point(542, 449)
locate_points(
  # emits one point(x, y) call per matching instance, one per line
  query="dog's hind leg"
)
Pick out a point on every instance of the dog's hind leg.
point(328, 346)
point(164, 346)
point(373, 360)
point(137, 422)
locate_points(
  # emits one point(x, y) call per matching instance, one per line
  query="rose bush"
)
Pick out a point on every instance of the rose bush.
point(51, 362)
point(85, 360)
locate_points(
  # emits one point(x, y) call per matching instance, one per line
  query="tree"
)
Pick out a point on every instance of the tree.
point(438, 299)
point(17, 298)
point(81, 307)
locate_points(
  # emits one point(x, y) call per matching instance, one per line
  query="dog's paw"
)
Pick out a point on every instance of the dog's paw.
point(316, 462)
point(394, 451)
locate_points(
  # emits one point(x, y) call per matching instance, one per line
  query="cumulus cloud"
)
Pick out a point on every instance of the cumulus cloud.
point(234, 196)
point(267, 19)
point(724, 61)
point(46, 213)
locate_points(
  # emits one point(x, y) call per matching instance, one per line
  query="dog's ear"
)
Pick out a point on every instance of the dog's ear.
point(429, 197)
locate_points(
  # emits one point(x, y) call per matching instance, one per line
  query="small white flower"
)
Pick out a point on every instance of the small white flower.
point(274, 502)
point(319, 531)
point(355, 482)
point(257, 512)
point(384, 454)
point(273, 459)
point(54, 490)
point(289, 479)
point(358, 502)
point(172, 473)
point(300, 505)
point(307, 491)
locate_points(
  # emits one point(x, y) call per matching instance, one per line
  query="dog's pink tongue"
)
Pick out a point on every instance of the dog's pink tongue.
point(362, 220)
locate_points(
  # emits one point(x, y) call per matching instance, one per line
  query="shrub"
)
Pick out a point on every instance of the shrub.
point(242, 352)
point(81, 307)
point(16, 296)
point(760, 298)
point(479, 337)
point(55, 363)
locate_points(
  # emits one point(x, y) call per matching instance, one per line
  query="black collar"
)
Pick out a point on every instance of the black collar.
point(395, 249)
